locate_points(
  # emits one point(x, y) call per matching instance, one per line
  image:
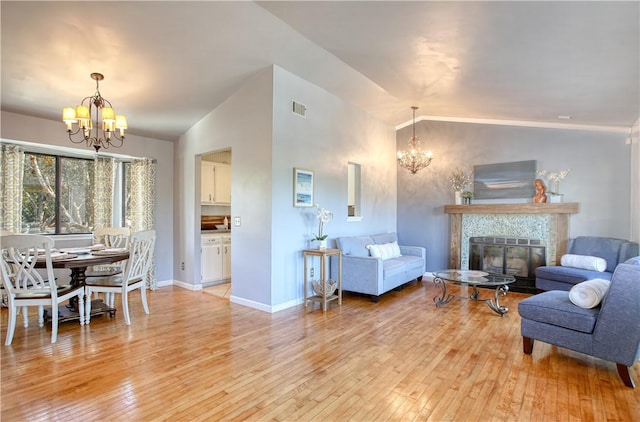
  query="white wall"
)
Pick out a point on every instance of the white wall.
point(41, 131)
point(267, 142)
point(599, 179)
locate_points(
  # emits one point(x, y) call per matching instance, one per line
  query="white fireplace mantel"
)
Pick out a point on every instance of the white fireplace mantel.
point(557, 215)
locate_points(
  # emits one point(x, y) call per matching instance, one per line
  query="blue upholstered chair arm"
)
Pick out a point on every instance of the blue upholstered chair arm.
point(617, 332)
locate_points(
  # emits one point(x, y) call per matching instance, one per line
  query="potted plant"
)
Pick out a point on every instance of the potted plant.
point(554, 178)
point(466, 197)
point(323, 216)
point(459, 180)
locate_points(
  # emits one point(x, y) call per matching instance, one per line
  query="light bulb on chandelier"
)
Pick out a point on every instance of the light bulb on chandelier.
point(415, 159)
point(103, 134)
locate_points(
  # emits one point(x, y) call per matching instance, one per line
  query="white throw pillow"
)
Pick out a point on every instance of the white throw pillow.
point(584, 262)
point(385, 250)
point(590, 293)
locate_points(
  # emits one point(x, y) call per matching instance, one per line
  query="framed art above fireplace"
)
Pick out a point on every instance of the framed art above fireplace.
point(504, 180)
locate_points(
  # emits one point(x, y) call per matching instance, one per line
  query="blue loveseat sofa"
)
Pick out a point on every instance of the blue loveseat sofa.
point(370, 275)
point(613, 251)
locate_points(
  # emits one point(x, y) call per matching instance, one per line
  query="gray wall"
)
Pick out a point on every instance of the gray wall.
point(267, 141)
point(599, 178)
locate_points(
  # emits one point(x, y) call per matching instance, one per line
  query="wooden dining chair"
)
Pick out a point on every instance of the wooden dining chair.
point(25, 286)
point(134, 276)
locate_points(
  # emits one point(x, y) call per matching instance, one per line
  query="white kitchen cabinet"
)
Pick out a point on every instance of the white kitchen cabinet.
point(215, 183)
point(226, 256)
point(222, 184)
point(211, 258)
point(216, 257)
point(207, 182)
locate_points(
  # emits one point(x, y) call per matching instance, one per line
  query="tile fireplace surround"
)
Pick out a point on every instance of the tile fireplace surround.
point(547, 222)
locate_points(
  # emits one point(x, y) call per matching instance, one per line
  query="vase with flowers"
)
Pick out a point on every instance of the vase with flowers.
point(459, 180)
point(554, 178)
point(324, 216)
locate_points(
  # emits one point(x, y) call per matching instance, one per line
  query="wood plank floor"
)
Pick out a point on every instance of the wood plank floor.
point(198, 357)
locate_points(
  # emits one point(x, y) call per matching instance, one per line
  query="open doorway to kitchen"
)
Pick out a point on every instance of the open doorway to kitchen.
point(215, 222)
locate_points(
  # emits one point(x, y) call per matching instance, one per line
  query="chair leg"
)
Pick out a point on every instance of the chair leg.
point(25, 316)
point(125, 307)
point(143, 293)
point(625, 375)
point(54, 322)
point(87, 307)
point(81, 307)
point(11, 327)
point(527, 345)
point(40, 315)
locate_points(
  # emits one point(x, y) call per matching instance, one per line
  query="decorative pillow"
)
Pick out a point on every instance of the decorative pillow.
point(590, 293)
point(585, 262)
point(385, 250)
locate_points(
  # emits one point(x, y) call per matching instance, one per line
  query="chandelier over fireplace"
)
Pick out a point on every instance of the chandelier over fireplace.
point(103, 134)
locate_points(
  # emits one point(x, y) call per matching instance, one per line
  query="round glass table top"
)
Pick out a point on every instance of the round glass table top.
point(476, 278)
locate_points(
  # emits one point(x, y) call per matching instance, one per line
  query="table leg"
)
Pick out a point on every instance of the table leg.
point(444, 298)
point(500, 310)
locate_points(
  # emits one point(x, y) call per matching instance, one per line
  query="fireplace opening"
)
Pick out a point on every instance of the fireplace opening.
point(508, 255)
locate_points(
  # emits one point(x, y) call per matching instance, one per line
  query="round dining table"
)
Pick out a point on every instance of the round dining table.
point(78, 264)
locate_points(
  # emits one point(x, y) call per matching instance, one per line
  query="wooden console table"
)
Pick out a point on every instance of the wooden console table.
point(561, 211)
point(323, 254)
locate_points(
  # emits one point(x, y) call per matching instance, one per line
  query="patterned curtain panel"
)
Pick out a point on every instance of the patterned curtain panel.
point(104, 181)
point(12, 161)
point(143, 195)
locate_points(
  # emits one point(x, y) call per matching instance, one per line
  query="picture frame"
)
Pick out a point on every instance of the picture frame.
point(302, 188)
point(504, 180)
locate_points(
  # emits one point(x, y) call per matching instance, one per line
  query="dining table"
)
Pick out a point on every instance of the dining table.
point(78, 264)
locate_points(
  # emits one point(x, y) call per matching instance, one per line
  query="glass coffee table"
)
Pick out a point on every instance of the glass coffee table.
point(475, 279)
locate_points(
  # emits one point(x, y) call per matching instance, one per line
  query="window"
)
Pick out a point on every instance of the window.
point(57, 194)
point(353, 191)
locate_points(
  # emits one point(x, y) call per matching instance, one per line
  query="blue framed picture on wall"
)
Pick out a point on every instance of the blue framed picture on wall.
point(302, 188)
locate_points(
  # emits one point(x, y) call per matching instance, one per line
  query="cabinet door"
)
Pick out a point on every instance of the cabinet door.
point(206, 182)
point(211, 260)
point(226, 259)
point(222, 187)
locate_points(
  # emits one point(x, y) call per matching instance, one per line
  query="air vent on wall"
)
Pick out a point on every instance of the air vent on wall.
point(299, 109)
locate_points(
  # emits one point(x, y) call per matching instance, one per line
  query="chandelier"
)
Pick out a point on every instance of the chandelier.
point(415, 159)
point(103, 134)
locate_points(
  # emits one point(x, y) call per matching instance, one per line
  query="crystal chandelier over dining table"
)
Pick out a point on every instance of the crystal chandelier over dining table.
point(97, 121)
point(415, 159)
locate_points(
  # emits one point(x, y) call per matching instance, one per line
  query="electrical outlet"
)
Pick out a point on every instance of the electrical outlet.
point(312, 272)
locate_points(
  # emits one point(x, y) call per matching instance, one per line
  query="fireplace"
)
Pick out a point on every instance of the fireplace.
point(508, 255)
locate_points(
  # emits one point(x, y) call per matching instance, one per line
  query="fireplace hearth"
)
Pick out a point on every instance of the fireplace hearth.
point(508, 255)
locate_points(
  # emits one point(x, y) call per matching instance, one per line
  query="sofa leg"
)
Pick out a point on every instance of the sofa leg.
point(375, 298)
point(419, 278)
point(623, 371)
point(527, 345)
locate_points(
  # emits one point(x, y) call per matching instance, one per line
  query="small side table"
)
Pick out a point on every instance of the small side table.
point(323, 254)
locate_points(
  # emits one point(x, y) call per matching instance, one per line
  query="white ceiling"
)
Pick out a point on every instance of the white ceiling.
point(167, 64)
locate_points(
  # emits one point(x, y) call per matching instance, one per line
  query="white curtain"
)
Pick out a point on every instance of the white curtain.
point(104, 180)
point(12, 161)
point(635, 182)
point(143, 194)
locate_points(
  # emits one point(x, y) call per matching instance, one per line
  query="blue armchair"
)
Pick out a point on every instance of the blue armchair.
point(613, 251)
point(609, 331)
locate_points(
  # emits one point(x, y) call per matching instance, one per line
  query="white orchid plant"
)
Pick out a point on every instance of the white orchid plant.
point(554, 177)
point(323, 216)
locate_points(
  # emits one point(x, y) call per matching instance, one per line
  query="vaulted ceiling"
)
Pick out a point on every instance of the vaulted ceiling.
point(167, 64)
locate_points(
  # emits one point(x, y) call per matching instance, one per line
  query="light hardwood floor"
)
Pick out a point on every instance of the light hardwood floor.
point(198, 357)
